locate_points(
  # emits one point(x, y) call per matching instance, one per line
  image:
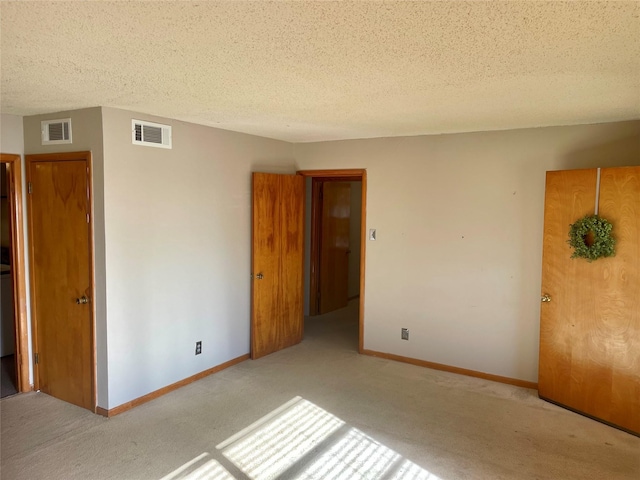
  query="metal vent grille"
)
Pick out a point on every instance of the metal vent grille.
point(56, 131)
point(151, 134)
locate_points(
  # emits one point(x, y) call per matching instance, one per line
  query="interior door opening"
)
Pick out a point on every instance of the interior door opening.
point(277, 257)
point(7, 313)
point(335, 209)
point(14, 338)
point(334, 244)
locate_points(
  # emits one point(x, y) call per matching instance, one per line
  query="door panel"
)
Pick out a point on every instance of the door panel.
point(334, 246)
point(277, 262)
point(61, 273)
point(292, 259)
point(590, 330)
point(569, 195)
point(265, 259)
point(618, 298)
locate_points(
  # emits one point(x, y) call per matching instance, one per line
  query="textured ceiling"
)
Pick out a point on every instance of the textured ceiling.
point(307, 71)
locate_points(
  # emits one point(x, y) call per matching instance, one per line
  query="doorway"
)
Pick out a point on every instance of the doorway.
point(277, 279)
point(335, 231)
point(14, 337)
point(334, 244)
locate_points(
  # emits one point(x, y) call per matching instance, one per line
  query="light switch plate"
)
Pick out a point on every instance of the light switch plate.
point(372, 234)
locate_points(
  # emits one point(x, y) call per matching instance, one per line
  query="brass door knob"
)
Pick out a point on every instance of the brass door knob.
point(259, 276)
point(545, 298)
point(82, 300)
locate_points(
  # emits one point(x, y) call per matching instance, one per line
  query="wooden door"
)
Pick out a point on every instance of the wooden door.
point(590, 330)
point(277, 305)
point(333, 284)
point(61, 276)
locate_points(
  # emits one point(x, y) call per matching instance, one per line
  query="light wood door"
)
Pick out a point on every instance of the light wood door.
point(277, 305)
point(60, 237)
point(334, 246)
point(590, 330)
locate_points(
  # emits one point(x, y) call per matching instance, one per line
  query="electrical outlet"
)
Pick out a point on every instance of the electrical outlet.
point(198, 348)
point(404, 334)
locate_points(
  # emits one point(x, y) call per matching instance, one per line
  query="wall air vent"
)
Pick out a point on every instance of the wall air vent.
point(56, 131)
point(150, 134)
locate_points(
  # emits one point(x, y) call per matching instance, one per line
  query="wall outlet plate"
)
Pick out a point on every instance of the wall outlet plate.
point(404, 334)
point(198, 348)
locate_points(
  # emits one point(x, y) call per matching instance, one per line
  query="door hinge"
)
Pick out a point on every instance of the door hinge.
point(37, 355)
point(87, 218)
point(30, 187)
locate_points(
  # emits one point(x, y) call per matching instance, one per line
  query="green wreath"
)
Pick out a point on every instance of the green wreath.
point(591, 238)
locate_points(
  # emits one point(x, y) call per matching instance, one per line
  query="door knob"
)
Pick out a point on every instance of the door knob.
point(545, 298)
point(82, 300)
point(259, 276)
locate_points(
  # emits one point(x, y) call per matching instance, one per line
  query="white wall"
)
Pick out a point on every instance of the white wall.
point(86, 127)
point(12, 141)
point(178, 249)
point(459, 224)
point(11, 134)
point(457, 260)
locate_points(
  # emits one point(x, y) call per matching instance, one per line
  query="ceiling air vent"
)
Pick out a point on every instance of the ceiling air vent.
point(150, 134)
point(56, 131)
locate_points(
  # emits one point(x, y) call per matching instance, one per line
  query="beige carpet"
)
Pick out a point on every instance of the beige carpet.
point(318, 410)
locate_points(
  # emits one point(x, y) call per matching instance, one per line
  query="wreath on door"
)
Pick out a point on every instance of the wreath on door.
point(591, 238)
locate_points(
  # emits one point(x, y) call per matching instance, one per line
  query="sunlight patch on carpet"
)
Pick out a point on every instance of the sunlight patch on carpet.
point(275, 443)
point(355, 455)
point(301, 441)
point(200, 468)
